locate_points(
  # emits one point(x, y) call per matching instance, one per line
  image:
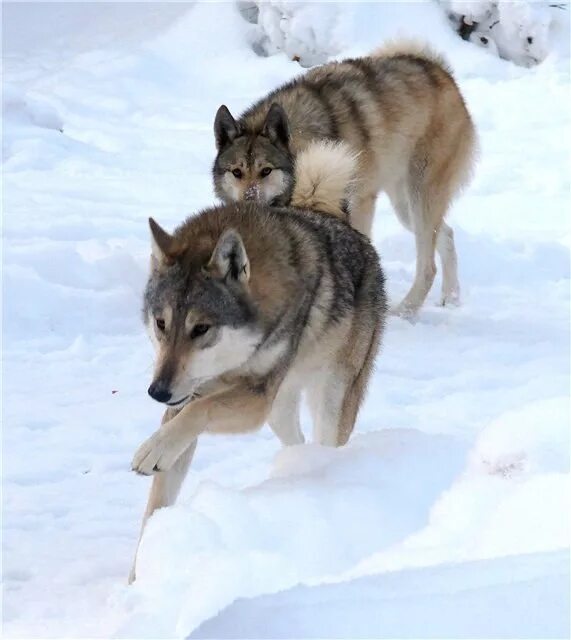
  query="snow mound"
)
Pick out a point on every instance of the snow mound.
point(307, 32)
point(523, 31)
point(459, 456)
point(512, 497)
point(451, 601)
point(323, 511)
point(531, 439)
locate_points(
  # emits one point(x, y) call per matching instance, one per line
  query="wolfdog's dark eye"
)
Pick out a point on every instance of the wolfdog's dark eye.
point(160, 324)
point(199, 330)
point(237, 173)
point(265, 171)
point(529, 40)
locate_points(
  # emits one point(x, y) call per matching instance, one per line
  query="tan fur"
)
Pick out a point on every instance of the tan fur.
point(317, 325)
point(325, 172)
point(401, 111)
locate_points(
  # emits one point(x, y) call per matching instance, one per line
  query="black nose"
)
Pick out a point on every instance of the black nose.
point(158, 392)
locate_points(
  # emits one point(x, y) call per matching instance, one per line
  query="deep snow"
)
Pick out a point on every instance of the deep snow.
point(459, 467)
point(448, 601)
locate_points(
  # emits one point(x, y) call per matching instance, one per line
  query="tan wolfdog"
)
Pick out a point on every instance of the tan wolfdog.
point(401, 111)
point(248, 306)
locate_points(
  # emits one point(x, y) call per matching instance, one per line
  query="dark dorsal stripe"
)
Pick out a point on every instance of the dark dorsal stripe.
point(340, 92)
point(358, 117)
point(317, 91)
point(429, 67)
point(368, 73)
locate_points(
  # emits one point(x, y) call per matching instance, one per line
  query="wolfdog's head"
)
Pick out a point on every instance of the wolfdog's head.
point(253, 165)
point(198, 311)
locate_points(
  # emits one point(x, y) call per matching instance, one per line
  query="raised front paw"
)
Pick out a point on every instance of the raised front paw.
point(158, 453)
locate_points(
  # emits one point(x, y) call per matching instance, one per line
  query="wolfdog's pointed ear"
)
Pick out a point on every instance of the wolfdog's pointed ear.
point(162, 243)
point(225, 127)
point(229, 257)
point(276, 126)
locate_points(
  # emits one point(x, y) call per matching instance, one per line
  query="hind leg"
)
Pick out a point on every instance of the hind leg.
point(325, 395)
point(425, 240)
point(284, 417)
point(444, 246)
point(426, 210)
point(447, 251)
point(399, 201)
point(425, 268)
point(363, 212)
point(336, 392)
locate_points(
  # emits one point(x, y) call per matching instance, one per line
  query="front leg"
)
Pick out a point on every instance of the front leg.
point(239, 409)
point(165, 487)
point(164, 491)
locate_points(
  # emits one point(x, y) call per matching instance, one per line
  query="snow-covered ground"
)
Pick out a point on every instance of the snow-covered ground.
point(445, 516)
point(448, 601)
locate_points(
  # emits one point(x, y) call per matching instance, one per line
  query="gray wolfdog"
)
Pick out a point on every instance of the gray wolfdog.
point(249, 305)
point(401, 111)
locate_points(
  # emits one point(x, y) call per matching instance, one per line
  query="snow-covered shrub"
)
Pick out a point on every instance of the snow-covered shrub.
point(248, 10)
point(311, 32)
point(308, 32)
point(517, 30)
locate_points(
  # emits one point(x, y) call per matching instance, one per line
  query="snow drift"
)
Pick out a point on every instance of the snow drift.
point(453, 494)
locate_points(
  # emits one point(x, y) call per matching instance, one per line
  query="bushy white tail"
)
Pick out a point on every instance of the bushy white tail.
point(324, 175)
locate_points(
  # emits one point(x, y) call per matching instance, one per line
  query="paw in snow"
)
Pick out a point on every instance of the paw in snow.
point(404, 311)
point(451, 299)
point(158, 453)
